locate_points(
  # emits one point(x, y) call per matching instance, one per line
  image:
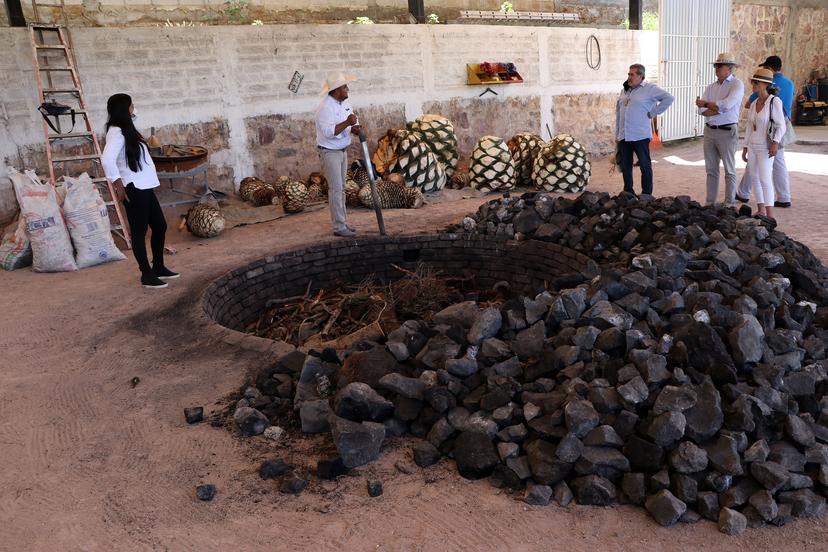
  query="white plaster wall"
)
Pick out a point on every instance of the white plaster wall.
point(197, 74)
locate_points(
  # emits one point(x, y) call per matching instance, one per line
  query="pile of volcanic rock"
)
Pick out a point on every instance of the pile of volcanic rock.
point(688, 377)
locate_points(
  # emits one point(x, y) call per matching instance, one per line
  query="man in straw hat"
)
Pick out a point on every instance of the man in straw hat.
point(335, 121)
point(720, 106)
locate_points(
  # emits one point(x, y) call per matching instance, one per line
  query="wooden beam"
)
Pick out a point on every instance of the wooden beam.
point(15, 13)
point(636, 15)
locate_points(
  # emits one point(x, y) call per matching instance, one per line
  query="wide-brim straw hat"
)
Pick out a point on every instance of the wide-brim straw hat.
point(763, 75)
point(335, 80)
point(725, 58)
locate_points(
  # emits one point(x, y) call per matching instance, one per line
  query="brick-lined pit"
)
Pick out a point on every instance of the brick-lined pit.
point(238, 298)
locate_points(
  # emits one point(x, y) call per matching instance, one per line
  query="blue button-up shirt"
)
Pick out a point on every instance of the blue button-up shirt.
point(786, 92)
point(728, 98)
point(634, 109)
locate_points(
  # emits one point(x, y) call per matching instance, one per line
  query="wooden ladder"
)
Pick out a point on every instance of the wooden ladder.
point(50, 39)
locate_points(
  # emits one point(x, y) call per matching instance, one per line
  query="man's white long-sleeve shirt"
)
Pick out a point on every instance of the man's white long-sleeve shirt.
point(329, 114)
point(728, 96)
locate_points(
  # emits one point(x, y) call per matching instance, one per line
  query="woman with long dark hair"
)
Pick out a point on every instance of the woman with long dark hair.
point(128, 165)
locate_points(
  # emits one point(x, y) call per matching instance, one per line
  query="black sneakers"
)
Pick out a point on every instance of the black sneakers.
point(782, 204)
point(165, 273)
point(152, 281)
point(741, 199)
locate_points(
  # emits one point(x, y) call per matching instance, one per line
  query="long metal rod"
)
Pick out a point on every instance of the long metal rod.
point(372, 180)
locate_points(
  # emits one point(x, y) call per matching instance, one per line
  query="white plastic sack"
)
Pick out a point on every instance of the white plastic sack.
point(51, 246)
point(88, 223)
point(15, 247)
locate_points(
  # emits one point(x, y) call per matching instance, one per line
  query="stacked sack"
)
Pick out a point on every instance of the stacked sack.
point(52, 232)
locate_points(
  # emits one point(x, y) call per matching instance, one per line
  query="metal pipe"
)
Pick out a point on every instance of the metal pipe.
point(372, 180)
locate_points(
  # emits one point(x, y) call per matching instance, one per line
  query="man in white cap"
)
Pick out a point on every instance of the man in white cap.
point(720, 106)
point(335, 121)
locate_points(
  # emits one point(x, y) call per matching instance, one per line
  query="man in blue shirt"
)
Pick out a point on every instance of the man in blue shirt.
point(638, 103)
point(781, 180)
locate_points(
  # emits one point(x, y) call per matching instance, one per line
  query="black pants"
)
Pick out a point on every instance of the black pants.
point(144, 211)
point(642, 151)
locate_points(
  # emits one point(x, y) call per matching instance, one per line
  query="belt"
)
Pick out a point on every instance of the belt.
point(721, 127)
point(329, 149)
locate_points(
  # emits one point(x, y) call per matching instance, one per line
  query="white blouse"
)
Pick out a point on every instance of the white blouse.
point(761, 121)
point(115, 166)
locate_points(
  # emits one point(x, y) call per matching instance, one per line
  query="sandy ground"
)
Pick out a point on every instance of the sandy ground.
point(90, 462)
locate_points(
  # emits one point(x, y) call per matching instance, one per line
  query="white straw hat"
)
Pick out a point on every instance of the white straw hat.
point(725, 58)
point(335, 80)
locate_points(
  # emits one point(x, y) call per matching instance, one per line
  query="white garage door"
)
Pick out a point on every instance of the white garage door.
point(692, 34)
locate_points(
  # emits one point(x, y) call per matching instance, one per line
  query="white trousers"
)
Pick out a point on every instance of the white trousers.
point(335, 167)
point(781, 180)
point(759, 174)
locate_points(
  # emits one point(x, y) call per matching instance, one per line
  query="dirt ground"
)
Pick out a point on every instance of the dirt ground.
point(90, 462)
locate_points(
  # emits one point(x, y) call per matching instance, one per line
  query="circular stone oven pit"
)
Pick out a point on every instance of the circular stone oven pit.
point(238, 298)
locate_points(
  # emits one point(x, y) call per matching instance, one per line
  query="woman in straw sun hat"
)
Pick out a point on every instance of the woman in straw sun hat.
point(759, 148)
point(335, 121)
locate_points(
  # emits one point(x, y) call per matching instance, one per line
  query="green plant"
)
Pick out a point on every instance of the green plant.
point(507, 7)
point(649, 22)
point(433, 19)
point(235, 10)
point(361, 21)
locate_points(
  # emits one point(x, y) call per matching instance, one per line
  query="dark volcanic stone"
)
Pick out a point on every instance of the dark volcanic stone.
point(206, 492)
point(634, 486)
point(562, 494)
point(358, 402)
point(804, 503)
point(411, 388)
point(569, 448)
point(537, 495)
point(765, 505)
point(250, 421)
point(546, 468)
point(688, 458)
point(731, 522)
point(594, 490)
point(475, 455)
point(369, 366)
point(426, 454)
point(581, 417)
point(293, 485)
point(707, 503)
point(665, 508)
point(770, 475)
point(194, 414)
point(314, 416)
point(643, 455)
point(374, 488)
point(357, 443)
point(667, 428)
point(706, 352)
point(330, 469)
point(271, 469)
point(724, 456)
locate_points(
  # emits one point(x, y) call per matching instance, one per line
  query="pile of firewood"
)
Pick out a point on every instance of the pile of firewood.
point(340, 317)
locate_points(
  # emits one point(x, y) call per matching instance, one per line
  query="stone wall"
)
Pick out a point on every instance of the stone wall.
point(796, 31)
point(154, 12)
point(237, 298)
point(226, 86)
point(809, 50)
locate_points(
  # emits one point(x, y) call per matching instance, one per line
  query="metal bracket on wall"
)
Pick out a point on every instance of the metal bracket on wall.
point(488, 89)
